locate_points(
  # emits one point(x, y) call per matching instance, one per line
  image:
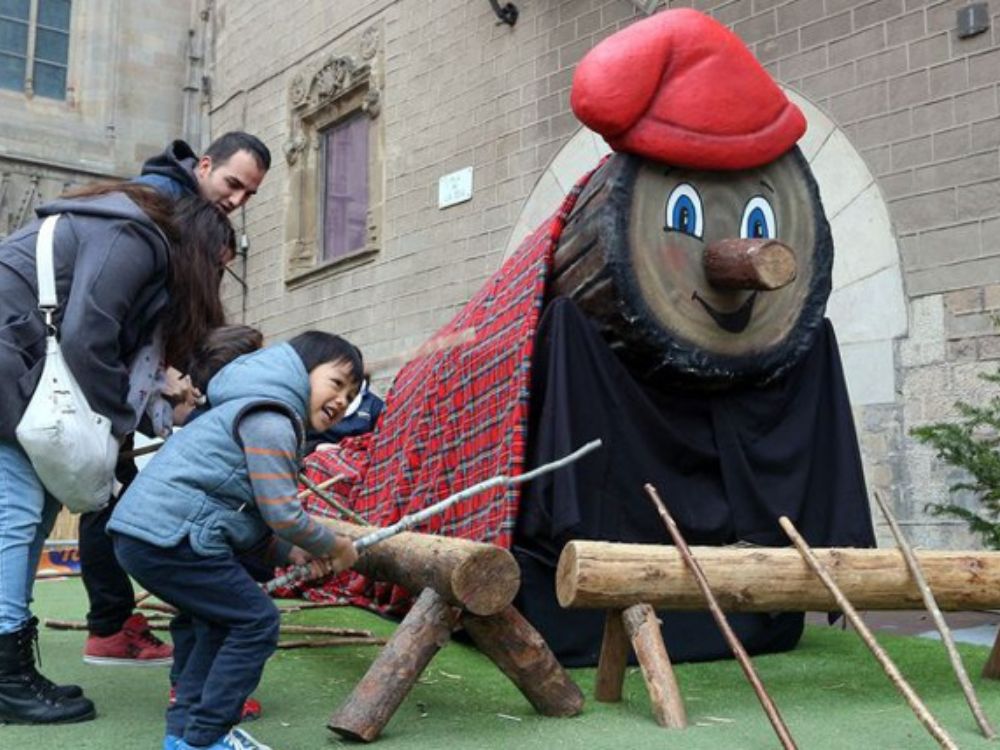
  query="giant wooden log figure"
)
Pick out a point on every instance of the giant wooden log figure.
point(700, 253)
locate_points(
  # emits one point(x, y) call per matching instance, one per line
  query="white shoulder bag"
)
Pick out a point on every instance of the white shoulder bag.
point(70, 446)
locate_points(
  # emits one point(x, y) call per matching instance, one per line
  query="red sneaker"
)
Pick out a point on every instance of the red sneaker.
point(251, 707)
point(133, 645)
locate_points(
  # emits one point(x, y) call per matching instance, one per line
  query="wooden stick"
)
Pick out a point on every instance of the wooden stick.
point(343, 636)
point(643, 628)
point(311, 487)
point(144, 450)
point(141, 597)
point(784, 736)
point(157, 607)
point(931, 603)
point(897, 679)
point(328, 498)
point(328, 642)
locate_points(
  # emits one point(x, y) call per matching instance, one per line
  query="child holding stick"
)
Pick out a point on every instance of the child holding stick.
point(217, 488)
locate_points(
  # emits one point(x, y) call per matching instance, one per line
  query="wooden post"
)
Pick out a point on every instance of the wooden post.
point(524, 656)
point(613, 660)
point(425, 629)
point(749, 264)
point(643, 628)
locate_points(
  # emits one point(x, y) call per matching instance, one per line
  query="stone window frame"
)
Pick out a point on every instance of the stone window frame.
point(340, 87)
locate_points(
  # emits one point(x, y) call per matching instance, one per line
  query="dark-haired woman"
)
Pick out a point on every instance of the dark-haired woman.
point(137, 278)
point(224, 485)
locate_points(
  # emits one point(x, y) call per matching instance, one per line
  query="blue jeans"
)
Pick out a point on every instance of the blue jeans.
point(27, 513)
point(235, 630)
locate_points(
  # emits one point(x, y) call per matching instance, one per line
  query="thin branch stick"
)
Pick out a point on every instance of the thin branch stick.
point(141, 597)
point(328, 498)
point(323, 630)
point(328, 642)
point(157, 607)
point(439, 344)
point(310, 570)
point(897, 679)
point(942, 626)
point(336, 636)
point(784, 736)
point(413, 519)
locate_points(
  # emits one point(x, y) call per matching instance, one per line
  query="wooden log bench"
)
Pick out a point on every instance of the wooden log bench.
point(460, 584)
point(631, 581)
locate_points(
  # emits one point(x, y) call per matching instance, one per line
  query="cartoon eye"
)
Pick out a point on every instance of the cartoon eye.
point(684, 212)
point(758, 220)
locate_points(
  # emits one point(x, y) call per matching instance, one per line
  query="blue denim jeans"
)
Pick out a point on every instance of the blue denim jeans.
point(232, 630)
point(27, 513)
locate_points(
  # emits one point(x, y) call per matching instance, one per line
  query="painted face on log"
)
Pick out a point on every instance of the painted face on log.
point(714, 276)
point(680, 222)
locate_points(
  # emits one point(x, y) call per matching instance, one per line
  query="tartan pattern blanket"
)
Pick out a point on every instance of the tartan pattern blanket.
point(452, 418)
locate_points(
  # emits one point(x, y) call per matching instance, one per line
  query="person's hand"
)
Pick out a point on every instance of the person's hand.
point(181, 393)
point(344, 556)
point(298, 556)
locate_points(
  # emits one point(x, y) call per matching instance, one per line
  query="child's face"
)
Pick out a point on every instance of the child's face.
point(331, 388)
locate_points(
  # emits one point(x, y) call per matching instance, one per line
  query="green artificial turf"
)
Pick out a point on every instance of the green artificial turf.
point(830, 691)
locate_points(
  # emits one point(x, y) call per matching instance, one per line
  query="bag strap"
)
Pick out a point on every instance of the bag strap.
point(45, 268)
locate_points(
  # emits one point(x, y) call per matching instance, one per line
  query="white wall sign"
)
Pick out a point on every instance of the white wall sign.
point(455, 188)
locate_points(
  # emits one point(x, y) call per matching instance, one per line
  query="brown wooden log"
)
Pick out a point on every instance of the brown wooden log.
point(762, 264)
point(643, 628)
point(608, 575)
point(613, 660)
point(514, 645)
point(480, 578)
point(425, 629)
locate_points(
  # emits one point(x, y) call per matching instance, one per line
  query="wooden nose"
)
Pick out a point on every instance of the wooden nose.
point(762, 264)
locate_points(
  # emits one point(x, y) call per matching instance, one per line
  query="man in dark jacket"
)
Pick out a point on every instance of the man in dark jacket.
point(228, 175)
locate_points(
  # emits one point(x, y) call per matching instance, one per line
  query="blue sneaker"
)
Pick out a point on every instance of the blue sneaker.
point(172, 742)
point(237, 739)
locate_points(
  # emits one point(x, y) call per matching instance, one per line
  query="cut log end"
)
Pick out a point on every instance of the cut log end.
point(492, 565)
point(567, 575)
point(760, 264)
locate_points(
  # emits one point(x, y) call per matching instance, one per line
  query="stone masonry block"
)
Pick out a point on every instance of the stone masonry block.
point(889, 63)
point(859, 44)
point(906, 28)
point(980, 104)
point(964, 301)
point(973, 168)
point(925, 211)
point(983, 68)
point(909, 89)
point(979, 200)
point(815, 32)
point(861, 103)
point(802, 64)
point(946, 246)
point(799, 13)
point(949, 144)
point(930, 51)
point(988, 347)
point(832, 81)
point(756, 28)
point(933, 116)
point(777, 47)
point(949, 78)
point(912, 152)
point(877, 12)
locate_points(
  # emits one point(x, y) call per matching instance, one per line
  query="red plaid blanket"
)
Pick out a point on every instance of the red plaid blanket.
point(451, 419)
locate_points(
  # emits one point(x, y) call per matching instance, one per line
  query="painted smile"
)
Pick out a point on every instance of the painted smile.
point(733, 322)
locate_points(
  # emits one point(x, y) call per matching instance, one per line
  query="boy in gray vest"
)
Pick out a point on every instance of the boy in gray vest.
point(223, 485)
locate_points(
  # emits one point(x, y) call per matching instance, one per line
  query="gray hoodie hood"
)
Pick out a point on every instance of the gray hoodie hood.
point(275, 372)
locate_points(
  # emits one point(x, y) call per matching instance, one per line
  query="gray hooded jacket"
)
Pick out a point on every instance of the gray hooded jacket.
point(111, 280)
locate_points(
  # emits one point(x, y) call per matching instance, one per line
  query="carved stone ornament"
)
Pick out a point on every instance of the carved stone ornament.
point(294, 147)
point(372, 103)
point(369, 43)
point(334, 77)
point(298, 90)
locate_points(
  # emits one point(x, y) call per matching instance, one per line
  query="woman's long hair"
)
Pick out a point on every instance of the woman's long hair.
point(199, 240)
point(197, 262)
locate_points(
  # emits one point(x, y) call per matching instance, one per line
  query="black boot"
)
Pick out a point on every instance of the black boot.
point(27, 697)
point(57, 691)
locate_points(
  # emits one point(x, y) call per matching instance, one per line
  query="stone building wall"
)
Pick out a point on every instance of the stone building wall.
point(128, 63)
point(918, 105)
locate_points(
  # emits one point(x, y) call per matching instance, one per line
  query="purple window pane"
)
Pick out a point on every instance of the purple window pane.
point(346, 187)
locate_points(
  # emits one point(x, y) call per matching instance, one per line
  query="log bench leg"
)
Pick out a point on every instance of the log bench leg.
point(991, 670)
point(613, 659)
point(643, 628)
point(422, 633)
point(523, 655)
